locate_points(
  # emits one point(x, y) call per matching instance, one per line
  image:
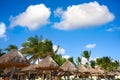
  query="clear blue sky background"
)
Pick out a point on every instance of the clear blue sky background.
point(101, 37)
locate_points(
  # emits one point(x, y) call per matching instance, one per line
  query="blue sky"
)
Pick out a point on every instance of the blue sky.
point(75, 25)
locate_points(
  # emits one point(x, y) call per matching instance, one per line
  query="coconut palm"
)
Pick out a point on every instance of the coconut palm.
point(78, 61)
point(36, 48)
point(92, 63)
point(10, 47)
point(86, 54)
point(58, 59)
point(1, 52)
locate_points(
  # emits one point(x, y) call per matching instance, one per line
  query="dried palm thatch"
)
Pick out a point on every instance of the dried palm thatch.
point(83, 69)
point(29, 68)
point(68, 66)
point(99, 70)
point(111, 73)
point(91, 70)
point(13, 59)
point(47, 64)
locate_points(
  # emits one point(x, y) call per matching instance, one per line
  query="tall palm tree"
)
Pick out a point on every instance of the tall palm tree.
point(1, 52)
point(36, 48)
point(92, 63)
point(79, 61)
point(58, 59)
point(10, 47)
point(71, 59)
point(86, 54)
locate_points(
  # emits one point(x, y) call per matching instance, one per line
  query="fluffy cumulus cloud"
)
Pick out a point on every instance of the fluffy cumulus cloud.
point(83, 15)
point(60, 51)
point(90, 46)
point(2, 30)
point(35, 16)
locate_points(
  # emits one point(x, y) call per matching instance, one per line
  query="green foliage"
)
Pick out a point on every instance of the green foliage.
point(78, 61)
point(36, 48)
point(92, 63)
point(117, 79)
point(1, 52)
point(107, 63)
point(86, 54)
point(58, 59)
point(10, 47)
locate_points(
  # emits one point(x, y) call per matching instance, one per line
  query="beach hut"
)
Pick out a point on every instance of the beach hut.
point(47, 65)
point(30, 71)
point(84, 72)
point(68, 68)
point(13, 59)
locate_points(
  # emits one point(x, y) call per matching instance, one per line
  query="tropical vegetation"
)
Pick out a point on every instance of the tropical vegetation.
point(37, 48)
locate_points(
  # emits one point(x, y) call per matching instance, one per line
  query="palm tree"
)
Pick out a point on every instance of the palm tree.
point(58, 59)
point(1, 52)
point(92, 63)
point(36, 48)
point(86, 54)
point(71, 59)
point(10, 47)
point(79, 61)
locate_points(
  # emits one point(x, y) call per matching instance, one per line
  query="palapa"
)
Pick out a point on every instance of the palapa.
point(13, 59)
point(68, 69)
point(29, 68)
point(99, 70)
point(83, 69)
point(91, 70)
point(68, 66)
point(47, 64)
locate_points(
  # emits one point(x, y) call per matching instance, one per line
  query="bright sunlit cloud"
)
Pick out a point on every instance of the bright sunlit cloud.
point(90, 46)
point(60, 50)
point(2, 30)
point(66, 56)
point(83, 15)
point(34, 17)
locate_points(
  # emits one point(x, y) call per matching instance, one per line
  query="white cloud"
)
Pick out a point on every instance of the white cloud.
point(66, 56)
point(84, 60)
point(34, 17)
point(2, 30)
point(90, 46)
point(60, 51)
point(83, 15)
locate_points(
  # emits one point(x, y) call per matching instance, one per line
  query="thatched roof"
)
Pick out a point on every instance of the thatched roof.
point(82, 69)
point(68, 66)
point(47, 64)
point(29, 68)
point(99, 70)
point(111, 74)
point(13, 59)
point(91, 70)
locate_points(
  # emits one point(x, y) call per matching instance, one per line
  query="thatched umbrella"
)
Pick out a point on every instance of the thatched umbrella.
point(68, 68)
point(13, 59)
point(99, 70)
point(83, 70)
point(29, 69)
point(91, 70)
point(47, 64)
